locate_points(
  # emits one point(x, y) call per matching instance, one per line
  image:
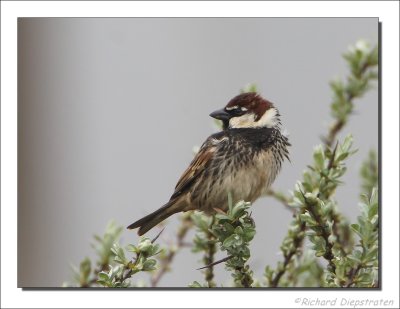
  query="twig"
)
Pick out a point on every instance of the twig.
point(96, 272)
point(209, 256)
point(333, 214)
point(325, 235)
point(339, 123)
point(353, 273)
point(297, 243)
point(280, 197)
point(217, 262)
point(158, 235)
point(342, 241)
point(332, 159)
point(127, 275)
point(333, 132)
point(246, 279)
point(186, 224)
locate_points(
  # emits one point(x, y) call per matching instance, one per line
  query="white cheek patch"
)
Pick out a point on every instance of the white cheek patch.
point(269, 119)
point(244, 121)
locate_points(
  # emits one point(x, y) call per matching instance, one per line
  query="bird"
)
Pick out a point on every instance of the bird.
point(242, 160)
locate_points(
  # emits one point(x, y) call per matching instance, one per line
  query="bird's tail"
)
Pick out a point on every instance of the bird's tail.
point(148, 222)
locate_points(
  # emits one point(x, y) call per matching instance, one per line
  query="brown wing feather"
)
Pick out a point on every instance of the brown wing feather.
point(195, 169)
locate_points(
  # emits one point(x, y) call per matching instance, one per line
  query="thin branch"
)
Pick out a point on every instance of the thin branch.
point(297, 243)
point(96, 272)
point(282, 198)
point(217, 262)
point(352, 275)
point(246, 279)
point(334, 130)
point(332, 159)
point(349, 96)
point(127, 275)
point(324, 234)
point(186, 224)
point(209, 256)
point(158, 235)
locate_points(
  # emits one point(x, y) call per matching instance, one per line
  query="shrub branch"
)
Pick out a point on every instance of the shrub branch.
point(167, 259)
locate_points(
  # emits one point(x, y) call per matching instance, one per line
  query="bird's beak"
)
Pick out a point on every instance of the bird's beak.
point(220, 114)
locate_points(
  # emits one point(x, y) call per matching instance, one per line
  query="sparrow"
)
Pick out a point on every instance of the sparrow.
point(243, 160)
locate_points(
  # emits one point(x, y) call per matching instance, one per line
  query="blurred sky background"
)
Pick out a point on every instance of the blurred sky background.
point(110, 109)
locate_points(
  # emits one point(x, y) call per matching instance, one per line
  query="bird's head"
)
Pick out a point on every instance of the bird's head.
point(248, 110)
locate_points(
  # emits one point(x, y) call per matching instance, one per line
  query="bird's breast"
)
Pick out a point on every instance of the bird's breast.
point(247, 176)
point(254, 177)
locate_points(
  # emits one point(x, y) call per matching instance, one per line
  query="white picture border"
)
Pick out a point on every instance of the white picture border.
point(11, 296)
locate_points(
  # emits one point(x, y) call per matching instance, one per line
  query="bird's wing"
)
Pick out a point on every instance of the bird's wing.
point(200, 162)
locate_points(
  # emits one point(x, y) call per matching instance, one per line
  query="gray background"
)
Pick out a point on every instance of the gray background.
point(110, 109)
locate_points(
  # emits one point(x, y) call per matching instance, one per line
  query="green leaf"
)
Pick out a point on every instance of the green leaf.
point(229, 228)
point(145, 245)
point(308, 219)
point(249, 88)
point(348, 142)
point(239, 230)
point(119, 254)
point(231, 240)
point(371, 255)
point(149, 265)
point(249, 234)
point(221, 217)
point(356, 228)
point(103, 276)
point(319, 157)
point(132, 248)
point(342, 156)
point(201, 221)
point(238, 210)
point(85, 270)
point(195, 284)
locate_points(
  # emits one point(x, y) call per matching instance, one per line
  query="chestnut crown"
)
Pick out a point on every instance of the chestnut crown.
point(248, 110)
